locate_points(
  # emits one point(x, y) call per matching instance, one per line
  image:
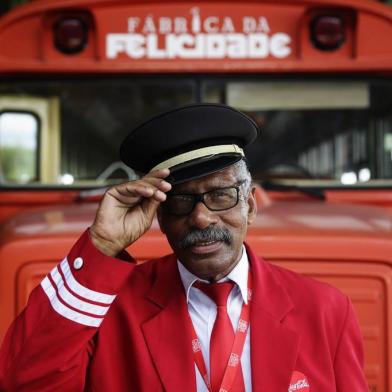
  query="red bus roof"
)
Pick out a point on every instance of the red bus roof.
point(229, 36)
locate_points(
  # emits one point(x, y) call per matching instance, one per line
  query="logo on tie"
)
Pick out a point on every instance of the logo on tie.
point(242, 325)
point(196, 345)
point(234, 360)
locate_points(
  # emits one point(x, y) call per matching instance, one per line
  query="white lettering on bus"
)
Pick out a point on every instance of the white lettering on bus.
point(196, 22)
point(227, 25)
point(153, 52)
point(149, 25)
point(197, 37)
point(210, 24)
point(238, 46)
point(165, 25)
point(133, 23)
point(279, 45)
point(180, 25)
point(258, 46)
point(188, 46)
point(251, 24)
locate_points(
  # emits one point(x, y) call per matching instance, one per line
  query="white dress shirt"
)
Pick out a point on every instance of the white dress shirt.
point(202, 310)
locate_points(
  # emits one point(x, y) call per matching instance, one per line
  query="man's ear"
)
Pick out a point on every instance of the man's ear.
point(252, 205)
point(159, 217)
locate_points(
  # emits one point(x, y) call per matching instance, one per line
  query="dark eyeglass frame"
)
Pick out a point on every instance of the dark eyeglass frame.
point(199, 197)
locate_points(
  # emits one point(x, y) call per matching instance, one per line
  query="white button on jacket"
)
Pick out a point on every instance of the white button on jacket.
point(78, 263)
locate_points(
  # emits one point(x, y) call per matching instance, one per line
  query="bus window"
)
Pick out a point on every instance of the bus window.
point(94, 116)
point(19, 134)
point(316, 132)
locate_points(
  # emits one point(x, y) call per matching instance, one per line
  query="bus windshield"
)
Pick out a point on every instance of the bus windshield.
point(315, 132)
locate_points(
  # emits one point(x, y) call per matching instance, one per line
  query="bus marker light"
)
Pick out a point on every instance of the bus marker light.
point(327, 32)
point(70, 35)
point(66, 179)
point(349, 178)
point(364, 174)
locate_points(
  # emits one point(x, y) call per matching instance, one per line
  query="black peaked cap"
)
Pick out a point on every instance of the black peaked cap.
point(184, 129)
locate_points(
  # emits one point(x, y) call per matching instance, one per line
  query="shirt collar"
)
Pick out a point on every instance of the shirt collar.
point(239, 275)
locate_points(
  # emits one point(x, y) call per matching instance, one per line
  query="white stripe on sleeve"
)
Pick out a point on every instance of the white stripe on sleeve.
point(75, 302)
point(64, 311)
point(83, 291)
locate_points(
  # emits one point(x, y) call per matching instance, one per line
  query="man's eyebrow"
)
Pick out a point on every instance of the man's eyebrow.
point(208, 189)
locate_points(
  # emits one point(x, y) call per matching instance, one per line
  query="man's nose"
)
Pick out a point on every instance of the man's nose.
point(201, 217)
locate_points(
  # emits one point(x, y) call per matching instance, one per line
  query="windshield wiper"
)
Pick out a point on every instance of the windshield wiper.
point(276, 186)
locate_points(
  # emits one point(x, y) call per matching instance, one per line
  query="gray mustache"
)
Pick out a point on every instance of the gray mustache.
point(208, 234)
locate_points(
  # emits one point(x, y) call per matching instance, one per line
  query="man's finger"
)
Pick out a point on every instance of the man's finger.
point(162, 173)
point(157, 178)
point(150, 207)
point(131, 193)
point(159, 183)
point(150, 184)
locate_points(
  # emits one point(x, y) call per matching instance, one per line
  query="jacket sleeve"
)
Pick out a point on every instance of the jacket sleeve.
point(47, 348)
point(349, 360)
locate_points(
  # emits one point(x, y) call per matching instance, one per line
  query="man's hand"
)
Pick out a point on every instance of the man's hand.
point(127, 210)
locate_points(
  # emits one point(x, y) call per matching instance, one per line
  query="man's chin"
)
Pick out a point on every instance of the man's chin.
point(207, 262)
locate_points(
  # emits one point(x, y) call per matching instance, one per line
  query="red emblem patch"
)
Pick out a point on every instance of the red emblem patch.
point(299, 382)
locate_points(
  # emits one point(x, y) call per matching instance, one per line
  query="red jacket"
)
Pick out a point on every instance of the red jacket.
point(144, 344)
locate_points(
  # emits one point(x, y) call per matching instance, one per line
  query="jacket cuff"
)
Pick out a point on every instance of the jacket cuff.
point(96, 271)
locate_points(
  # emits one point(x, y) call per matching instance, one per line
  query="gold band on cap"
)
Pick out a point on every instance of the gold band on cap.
point(199, 153)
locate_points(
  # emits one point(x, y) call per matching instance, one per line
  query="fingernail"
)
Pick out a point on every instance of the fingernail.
point(166, 184)
point(160, 194)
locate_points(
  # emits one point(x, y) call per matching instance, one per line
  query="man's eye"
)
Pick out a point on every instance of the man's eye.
point(220, 193)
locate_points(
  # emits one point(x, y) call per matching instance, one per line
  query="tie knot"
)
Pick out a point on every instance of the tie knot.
point(218, 292)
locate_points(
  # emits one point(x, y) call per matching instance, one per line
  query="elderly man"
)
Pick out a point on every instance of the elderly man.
point(210, 317)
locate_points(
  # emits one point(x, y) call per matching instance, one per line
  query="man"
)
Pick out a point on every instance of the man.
point(99, 323)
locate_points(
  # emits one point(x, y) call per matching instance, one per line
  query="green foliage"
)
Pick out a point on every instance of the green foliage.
point(18, 164)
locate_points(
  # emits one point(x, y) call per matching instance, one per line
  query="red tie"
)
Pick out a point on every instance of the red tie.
point(222, 336)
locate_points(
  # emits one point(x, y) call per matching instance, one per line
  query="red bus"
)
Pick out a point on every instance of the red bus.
point(76, 76)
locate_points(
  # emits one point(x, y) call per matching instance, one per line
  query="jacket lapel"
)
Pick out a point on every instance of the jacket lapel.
point(274, 346)
point(167, 334)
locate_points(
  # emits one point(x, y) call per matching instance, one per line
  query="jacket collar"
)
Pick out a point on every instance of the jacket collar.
point(168, 336)
point(274, 346)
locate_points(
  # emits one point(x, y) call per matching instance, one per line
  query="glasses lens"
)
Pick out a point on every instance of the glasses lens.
point(221, 199)
point(215, 200)
point(179, 204)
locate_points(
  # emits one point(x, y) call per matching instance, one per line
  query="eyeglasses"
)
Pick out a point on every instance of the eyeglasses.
point(215, 200)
